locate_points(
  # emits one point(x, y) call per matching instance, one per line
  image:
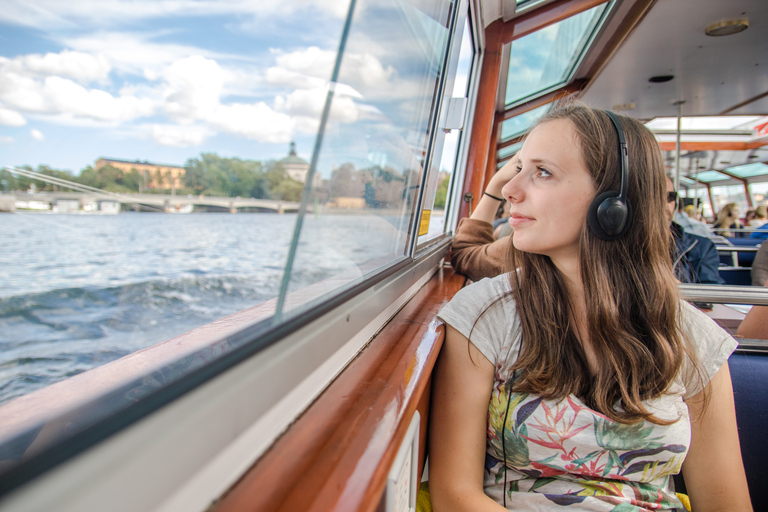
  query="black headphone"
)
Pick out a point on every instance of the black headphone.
point(610, 213)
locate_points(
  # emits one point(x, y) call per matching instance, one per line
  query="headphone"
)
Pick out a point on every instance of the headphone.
point(610, 213)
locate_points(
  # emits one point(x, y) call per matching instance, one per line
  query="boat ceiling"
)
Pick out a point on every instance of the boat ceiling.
point(713, 76)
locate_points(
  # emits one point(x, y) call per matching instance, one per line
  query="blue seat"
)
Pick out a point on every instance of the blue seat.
point(736, 275)
point(745, 258)
point(749, 374)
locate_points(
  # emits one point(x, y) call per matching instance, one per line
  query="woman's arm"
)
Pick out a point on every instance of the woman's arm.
point(461, 391)
point(713, 470)
point(474, 251)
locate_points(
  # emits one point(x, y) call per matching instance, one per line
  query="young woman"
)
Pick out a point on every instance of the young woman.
point(727, 219)
point(581, 379)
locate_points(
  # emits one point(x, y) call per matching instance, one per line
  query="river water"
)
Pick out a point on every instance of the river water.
point(78, 291)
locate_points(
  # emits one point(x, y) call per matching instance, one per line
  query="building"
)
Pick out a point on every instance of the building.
point(156, 176)
point(296, 167)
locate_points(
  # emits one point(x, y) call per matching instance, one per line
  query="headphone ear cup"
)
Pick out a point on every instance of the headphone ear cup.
point(608, 216)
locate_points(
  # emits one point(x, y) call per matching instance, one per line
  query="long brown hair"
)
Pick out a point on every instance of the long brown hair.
point(629, 285)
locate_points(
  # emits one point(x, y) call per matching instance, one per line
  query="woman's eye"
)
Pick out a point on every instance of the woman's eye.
point(542, 172)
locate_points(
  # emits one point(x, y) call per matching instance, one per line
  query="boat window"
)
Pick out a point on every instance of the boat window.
point(363, 186)
point(748, 170)
point(444, 163)
point(723, 195)
point(711, 176)
point(181, 149)
point(153, 165)
point(759, 193)
point(546, 58)
point(518, 125)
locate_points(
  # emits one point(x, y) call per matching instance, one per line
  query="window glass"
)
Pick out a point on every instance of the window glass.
point(759, 193)
point(748, 170)
point(444, 177)
point(693, 191)
point(729, 194)
point(518, 125)
point(711, 176)
point(547, 57)
point(363, 186)
point(155, 160)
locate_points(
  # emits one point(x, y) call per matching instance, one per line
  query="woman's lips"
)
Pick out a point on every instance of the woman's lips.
point(516, 220)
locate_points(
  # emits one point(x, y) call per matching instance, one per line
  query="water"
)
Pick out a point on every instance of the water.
point(78, 291)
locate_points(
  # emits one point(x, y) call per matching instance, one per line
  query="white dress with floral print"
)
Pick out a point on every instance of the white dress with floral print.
point(562, 453)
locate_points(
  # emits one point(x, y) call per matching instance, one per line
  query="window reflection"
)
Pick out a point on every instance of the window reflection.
point(547, 57)
point(359, 213)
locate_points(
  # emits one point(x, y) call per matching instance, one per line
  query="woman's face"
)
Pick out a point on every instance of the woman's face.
point(551, 192)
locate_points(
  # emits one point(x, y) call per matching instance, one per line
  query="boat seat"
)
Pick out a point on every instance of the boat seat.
point(749, 374)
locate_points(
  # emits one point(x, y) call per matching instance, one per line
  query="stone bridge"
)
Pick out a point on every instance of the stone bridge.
point(155, 202)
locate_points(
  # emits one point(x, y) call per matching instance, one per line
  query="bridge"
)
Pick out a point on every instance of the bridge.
point(91, 199)
point(71, 202)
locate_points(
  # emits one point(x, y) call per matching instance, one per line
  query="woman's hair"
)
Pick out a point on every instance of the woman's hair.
point(725, 216)
point(761, 212)
point(632, 301)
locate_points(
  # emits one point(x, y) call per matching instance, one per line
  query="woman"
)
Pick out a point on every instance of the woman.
point(582, 379)
point(728, 219)
point(760, 217)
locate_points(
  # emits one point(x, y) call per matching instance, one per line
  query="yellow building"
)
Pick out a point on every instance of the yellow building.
point(156, 176)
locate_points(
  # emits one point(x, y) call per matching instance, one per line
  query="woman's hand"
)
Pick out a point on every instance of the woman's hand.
point(713, 470)
point(488, 206)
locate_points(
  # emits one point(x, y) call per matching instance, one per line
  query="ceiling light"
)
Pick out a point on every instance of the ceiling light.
point(660, 79)
point(727, 27)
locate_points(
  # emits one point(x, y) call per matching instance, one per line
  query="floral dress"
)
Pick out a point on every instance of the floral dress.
point(562, 453)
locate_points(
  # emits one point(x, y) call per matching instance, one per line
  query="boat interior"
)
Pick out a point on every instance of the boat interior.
point(319, 400)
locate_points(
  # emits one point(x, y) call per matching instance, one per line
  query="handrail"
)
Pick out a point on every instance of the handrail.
point(724, 294)
point(736, 248)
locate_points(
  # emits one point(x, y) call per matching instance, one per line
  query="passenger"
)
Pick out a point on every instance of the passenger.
point(759, 271)
point(727, 220)
point(690, 224)
point(761, 217)
point(501, 226)
point(695, 258)
point(581, 378)
point(749, 217)
point(755, 323)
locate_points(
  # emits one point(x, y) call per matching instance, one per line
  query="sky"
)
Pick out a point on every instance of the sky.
point(162, 80)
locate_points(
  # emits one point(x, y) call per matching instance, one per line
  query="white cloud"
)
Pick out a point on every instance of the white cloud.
point(179, 136)
point(11, 118)
point(304, 68)
point(36, 134)
point(193, 88)
point(82, 67)
point(55, 13)
point(22, 90)
point(6, 140)
point(255, 121)
point(64, 95)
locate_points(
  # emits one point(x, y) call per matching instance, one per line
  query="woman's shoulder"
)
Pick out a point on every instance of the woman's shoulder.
point(711, 344)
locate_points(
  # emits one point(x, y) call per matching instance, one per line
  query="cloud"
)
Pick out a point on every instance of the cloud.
point(5, 140)
point(36, 134)
point(11, 118)
point(179, 136)
point(304, 68)
point(58, 14)
point(82, 67)
point(254, 121)
point(193, 88)
point(21, 89)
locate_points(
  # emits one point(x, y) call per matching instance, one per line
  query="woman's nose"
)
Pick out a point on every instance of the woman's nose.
point(512, 191)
